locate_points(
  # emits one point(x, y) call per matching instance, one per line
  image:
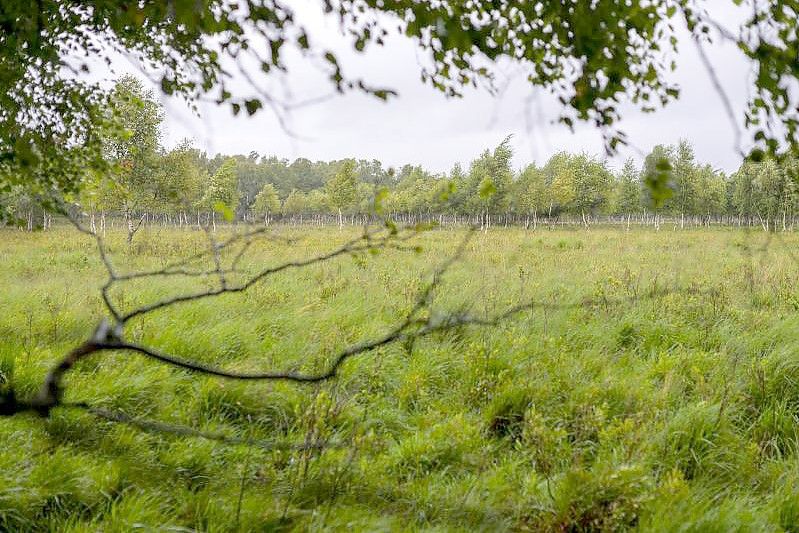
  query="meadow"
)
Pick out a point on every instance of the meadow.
point(655, 387)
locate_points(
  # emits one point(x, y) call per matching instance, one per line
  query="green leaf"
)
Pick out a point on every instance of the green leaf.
point(27, 154)
point(659, 182)
point(487, 188)
point(224, 210)
point(383, 94)
point(757, 155)
point(302, 40)
point(252, 106)
point(380, 197)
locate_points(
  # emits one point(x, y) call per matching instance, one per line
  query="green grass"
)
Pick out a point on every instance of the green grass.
point(621, 411)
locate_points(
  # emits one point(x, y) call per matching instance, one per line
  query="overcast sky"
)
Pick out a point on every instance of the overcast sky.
point(421, 126)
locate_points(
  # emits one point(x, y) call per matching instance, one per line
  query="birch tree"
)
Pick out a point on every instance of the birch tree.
point(266, 202)
point(222, 195)
point(341, 191)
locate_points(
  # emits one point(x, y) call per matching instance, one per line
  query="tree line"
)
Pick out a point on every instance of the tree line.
point(184, 186)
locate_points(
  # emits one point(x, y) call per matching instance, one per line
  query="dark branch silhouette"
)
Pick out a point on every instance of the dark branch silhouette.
point(420, 321)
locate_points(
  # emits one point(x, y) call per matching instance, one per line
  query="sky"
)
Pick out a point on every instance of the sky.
point(421, 126)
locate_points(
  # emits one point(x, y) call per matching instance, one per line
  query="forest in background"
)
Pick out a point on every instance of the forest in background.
point(184, 186)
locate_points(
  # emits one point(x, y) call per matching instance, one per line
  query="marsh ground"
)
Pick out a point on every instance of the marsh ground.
point(656, 387)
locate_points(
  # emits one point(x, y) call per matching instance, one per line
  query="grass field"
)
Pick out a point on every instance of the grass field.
point(658, 389)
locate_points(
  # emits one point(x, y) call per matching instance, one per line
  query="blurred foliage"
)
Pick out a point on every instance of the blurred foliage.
point(594, 56)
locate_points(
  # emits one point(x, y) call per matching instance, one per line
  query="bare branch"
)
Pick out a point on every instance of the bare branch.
point(103, 256)
point(359, 244)
point(109, 336)
point(719, 88)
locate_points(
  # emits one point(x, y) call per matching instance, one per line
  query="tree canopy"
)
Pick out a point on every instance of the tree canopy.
point(595, 56)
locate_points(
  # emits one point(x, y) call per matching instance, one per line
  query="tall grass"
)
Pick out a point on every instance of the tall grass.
point(627, 408)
